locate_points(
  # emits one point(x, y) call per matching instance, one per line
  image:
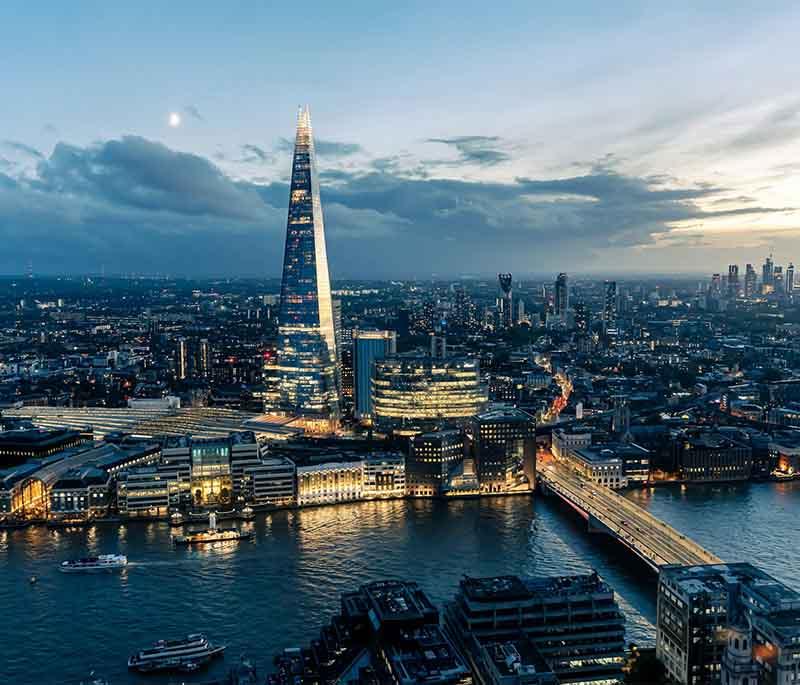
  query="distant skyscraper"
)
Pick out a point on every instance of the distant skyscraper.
point(733, 281)
point(750, 279)
point(306, 338)
point(181, 359)
point(507, 300)
point(204, 358)
point(610, 304)
point(777, 280)
point(767, 275)
point(562, 295)
point(789, 281)
point(369, 346)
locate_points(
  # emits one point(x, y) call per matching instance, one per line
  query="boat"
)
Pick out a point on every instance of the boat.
point(105, 562)
point(187, 654)
point(247, 513)
point(176, 519)
point(213, 534)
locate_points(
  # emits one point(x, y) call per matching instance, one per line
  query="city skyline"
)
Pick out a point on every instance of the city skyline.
point(180, 164)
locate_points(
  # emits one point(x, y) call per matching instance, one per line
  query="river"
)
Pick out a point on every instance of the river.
point(276, 590)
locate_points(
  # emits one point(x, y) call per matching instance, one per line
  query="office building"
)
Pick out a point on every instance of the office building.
point(181, 359)
point(204, 358)
point(767, 276)
point(387, 633)
point(409, 391)
point(307, 354)
point(561, 295)
point(368, 346)
point(504, 447)
point(432, 457)
point(789, 280)
point(20, 445)
point(573, 623)
point(703, 455)
point(727, 624)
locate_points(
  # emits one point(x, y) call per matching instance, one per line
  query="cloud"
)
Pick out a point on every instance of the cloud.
point(255, 154)
point(132, 203)
point(482, 150)
point(22, 148)
point(193, 112)
point(778, 127)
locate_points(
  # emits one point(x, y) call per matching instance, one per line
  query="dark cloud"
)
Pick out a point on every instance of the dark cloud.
point(482, 150)
point(193, 112)
point(254, 154)
point(134, 204)
point(323, 148)
point(22, 148)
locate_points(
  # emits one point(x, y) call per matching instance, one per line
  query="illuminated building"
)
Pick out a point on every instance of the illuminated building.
point(432, 456)
point(330, 482)
point(143, 492)
point(204, 358)
point(414, 391)
point(307, 354)
point(384, 476)
point(368, 346)
point(702, 456)
point(700, 608)
point(504, 445)
point(561, 295)
point(573, 622)
point(181, 359)
point(20, 445)
point(767, 271)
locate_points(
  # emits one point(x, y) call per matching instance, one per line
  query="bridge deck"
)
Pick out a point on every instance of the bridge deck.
point(656, 542)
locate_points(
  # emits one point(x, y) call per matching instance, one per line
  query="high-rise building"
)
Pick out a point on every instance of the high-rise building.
point(203, 358)
point(368, 346)
point(431, 458)
point(750, 280)
point(504, 446)
point(789, 280)
point(727, 624)
point(562, 295)
point(777, 280)
point(733, 281)
point(506, 301)
point(610, 303)
point(306, 337)
point(766, 275)
point(181, 359)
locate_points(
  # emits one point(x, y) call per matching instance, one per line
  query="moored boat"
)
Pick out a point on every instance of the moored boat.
point(213, 534)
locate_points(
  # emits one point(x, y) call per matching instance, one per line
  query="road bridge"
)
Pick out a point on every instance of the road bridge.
point(647, 536)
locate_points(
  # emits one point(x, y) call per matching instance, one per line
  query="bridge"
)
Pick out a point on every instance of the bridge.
point(648, 537)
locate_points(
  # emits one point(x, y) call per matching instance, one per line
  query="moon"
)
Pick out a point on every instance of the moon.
point(174, 119)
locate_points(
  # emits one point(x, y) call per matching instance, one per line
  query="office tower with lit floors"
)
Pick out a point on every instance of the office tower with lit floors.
point(562, 295)
point(307, 356)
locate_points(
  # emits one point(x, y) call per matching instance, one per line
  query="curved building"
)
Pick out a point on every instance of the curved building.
point(414, 391)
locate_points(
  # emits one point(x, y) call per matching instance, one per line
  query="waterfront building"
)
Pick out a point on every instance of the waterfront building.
point(269, 481)
point(573, 622)
point(384, 476)
point(432, 456)
point(330, 482)
point(600, 464)
point(368, 346)
point(702, 455)
point(565, 440)
point(701, 607)
point(387, 633)
point(419, 391)
point(143, 493)
point(504, 447)
point(307, 355)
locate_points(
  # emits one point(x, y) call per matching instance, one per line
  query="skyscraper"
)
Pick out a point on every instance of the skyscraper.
point(506, 301)
point(368, 346)
point(766, 275)
point(610, 303)
point(306, 338)
point(750, 282)
point(789, 280)
point(562, 295)
point(733, 281)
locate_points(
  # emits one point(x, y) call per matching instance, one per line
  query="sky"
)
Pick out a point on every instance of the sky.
point(454, 138)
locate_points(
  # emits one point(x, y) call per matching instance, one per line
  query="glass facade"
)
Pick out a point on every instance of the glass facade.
point(306, 339)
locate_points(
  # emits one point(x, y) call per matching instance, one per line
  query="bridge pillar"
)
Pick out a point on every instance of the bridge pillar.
point(595, 525)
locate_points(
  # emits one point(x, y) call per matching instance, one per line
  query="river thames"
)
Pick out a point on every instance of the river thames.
point(278, 589)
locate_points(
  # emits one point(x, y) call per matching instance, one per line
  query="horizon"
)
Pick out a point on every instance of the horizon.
point(635, 147)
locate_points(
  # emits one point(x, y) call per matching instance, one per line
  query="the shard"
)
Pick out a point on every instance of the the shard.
point(306, 340)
